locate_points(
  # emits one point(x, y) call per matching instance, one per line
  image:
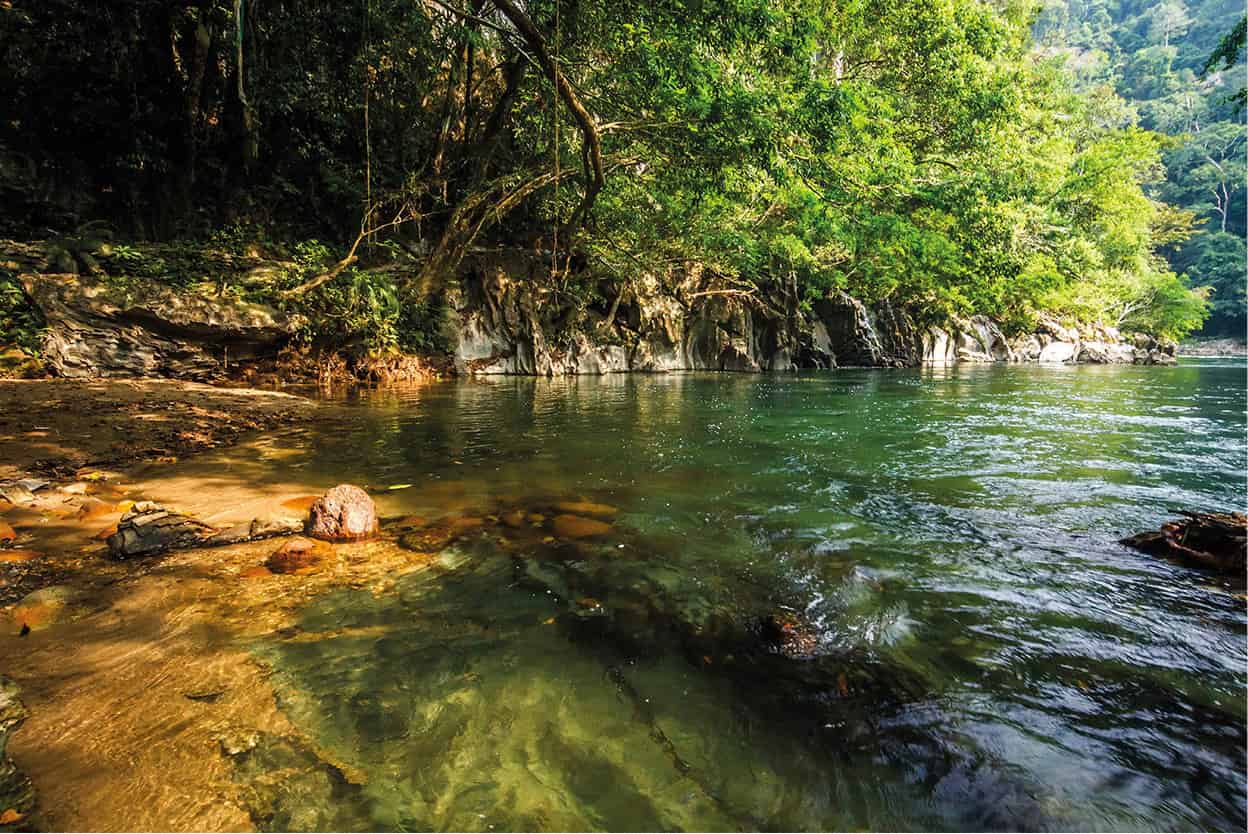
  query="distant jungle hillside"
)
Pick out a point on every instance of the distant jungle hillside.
point(962, 157)
point(1159, 58)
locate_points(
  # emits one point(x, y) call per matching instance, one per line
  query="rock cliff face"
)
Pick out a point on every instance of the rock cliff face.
point(502, 322)
point(94, 330)
point(506, 326)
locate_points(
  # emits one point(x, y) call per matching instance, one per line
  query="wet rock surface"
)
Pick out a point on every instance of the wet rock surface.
point(1217, 541)
point(504, 327)
point(148, 528)
point(43, 608)
point(345, 513)
point(503, 323)
point(17, 794)
point(299, 555)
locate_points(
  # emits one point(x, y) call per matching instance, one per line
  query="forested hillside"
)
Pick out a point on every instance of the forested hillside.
point(1157, 57)
point(921, 151)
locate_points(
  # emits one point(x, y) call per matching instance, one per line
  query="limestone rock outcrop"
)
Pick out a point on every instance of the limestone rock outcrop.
point(95, 329)
point(506, 318)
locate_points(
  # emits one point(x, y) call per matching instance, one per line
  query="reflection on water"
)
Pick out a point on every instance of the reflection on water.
point(984, 654)
point(861, 599)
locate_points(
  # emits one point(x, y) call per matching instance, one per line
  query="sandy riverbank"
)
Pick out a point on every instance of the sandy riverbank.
point(52, 429)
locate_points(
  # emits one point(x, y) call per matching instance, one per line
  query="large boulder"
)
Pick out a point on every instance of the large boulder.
point(97, 329)
point(345, 513)
point(1055, 352)
point(1105, 353)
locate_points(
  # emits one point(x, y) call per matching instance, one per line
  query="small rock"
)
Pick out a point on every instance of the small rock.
point(239, 742)
point(514, 519)
point(7, 533)
point(345, 513)
point(465, 524)
point(205, 696)
point(19, 555)
point(299, 556)
point(587, 508)
point(430, 539)
point(578, 527)
point(42, 608)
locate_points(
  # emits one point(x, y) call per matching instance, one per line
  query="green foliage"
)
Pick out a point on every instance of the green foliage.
point(358, 308)
point(923, 151)
point(1170, 60)
point(20, 321)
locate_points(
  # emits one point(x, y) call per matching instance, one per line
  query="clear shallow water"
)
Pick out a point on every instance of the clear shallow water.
point(977, 651)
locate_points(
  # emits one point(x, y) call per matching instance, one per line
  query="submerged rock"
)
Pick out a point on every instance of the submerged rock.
point(578, 527)
point(148, 528)
point(45, 607)
point(1218, 541)
point(299, 556)
point(17, 794)
point(788, 634)
point(257, 528)
point(345, 513)
point(586, 508)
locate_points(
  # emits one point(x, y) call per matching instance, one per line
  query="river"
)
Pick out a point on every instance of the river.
point(847, 600)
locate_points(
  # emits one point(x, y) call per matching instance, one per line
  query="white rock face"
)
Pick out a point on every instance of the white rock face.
point(1057, 352)
point(938, 347)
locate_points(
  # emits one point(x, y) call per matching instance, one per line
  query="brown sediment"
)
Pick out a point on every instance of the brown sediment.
point(56, 428)
point(120, 735)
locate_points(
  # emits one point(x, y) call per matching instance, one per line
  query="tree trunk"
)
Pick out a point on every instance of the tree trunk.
point(592, 148)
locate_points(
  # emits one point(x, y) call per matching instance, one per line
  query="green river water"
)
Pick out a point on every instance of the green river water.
point(974, 648)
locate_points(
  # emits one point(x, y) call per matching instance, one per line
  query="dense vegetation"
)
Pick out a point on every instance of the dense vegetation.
point(920, 150)
point(1176, 65)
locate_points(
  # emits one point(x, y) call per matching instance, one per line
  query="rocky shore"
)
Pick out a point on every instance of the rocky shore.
point(501, 322)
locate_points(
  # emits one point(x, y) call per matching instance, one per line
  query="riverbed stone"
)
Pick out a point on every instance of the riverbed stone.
point(43, 608)
point(569, 526)
point(1058, 352)
point(345, 513)
point(1218, 541)
point(589, 508)
point(298, 556)
point(148, 528)
point(17, 794)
